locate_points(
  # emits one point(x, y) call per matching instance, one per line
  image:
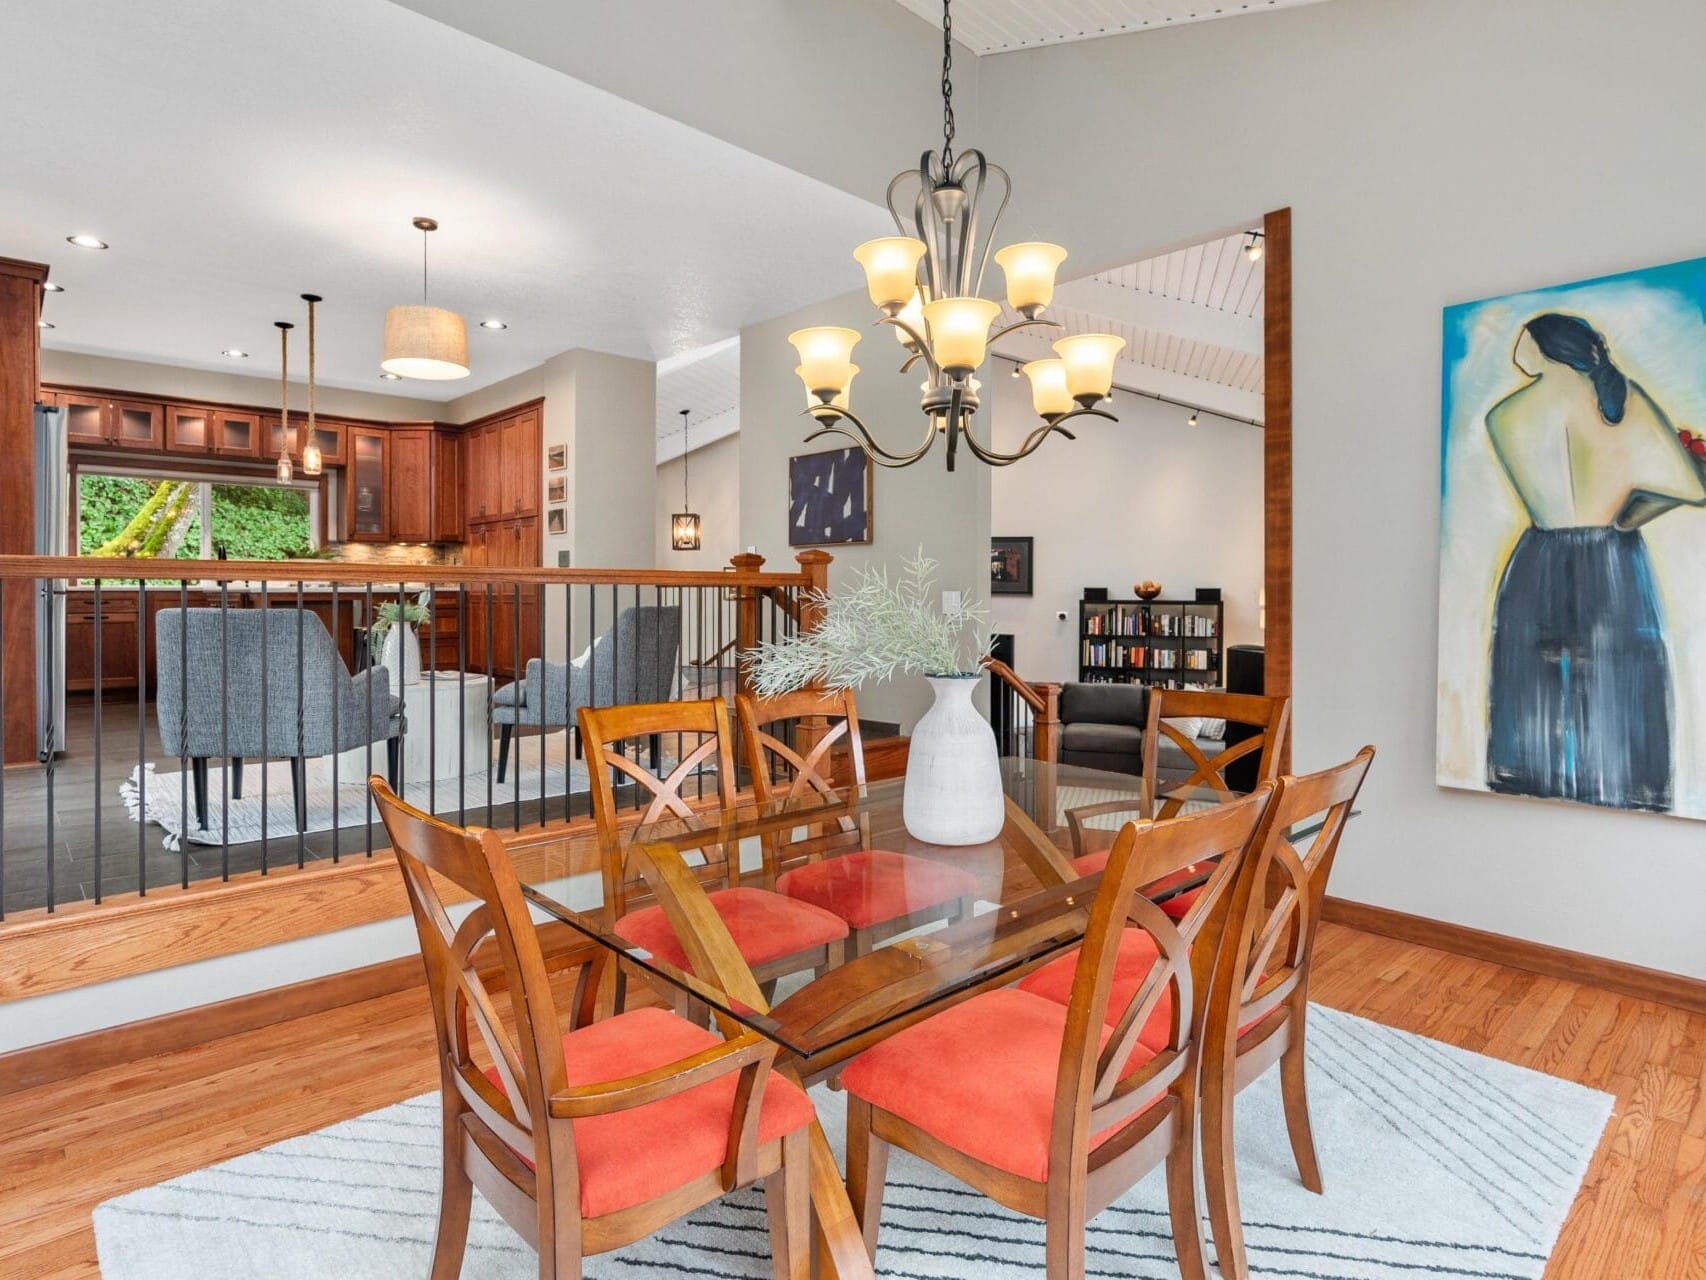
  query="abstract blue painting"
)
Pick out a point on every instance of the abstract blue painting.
point(829, 498)
point(1572, 612)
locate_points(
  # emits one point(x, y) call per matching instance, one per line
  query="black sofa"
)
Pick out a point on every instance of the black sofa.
point(1102, 727)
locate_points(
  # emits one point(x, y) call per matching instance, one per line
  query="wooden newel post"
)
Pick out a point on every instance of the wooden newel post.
point(1045, 738)
point(814, 566)
point(746, 615)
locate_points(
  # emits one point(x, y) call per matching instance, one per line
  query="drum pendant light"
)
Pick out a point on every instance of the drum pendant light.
point(424, 341)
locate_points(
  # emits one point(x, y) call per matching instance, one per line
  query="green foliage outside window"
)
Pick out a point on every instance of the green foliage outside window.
point(128, 516)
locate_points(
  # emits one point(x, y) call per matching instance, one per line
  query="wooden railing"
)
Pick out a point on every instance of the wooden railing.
point(1026, 716)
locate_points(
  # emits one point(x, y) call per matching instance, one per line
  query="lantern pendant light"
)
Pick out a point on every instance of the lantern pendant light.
point(287, 436)
point(684, 524)
point(312, 462)
point(424, 341)
point(925, 282)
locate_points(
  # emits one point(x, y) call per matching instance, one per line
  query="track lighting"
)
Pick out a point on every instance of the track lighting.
point(1253, 246)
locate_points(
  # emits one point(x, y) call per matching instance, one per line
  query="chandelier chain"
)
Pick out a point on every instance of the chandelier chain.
point(947, 84)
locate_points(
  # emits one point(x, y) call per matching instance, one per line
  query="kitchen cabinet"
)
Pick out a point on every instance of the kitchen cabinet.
point(329, 435)
point(225, 433)
point(504, 621)
point(423, 476)
point(502, 467)
point(365, 496)
point(102, 420)
point(446, 523)
point(118, 633)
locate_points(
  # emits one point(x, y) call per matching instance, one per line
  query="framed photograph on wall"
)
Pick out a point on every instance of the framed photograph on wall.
point(1010, 566)
point(556, 520)
point(557, 457)
point(829, 498)
point(557, 489)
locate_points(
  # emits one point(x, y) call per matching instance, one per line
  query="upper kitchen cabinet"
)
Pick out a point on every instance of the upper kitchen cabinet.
point(103, 420)
point(366, 514)
point(502, 466)
point(329, 436)
point(419, 470)
point(225, 433)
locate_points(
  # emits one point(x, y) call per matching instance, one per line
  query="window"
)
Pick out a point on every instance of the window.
point(185, 518)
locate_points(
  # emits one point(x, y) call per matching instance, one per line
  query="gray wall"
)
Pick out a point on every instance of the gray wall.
point(714, 473)
point(1432, 152)
point(1150, 497)
point(917, 506)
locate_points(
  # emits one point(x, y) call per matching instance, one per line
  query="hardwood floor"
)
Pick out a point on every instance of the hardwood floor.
point(67, 1146)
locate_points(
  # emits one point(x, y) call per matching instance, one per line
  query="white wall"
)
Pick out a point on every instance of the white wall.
point(1146, 497)
point(714, 473)
point(612, 435)
point(1432, 151)
point(912, 507)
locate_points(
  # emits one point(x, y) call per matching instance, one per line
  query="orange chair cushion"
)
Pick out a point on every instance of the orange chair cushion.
point(874, 885)
point(765, 926)
point(1137, 955)
point(629, 1157)
point(1176, 906)
point(980, 1077)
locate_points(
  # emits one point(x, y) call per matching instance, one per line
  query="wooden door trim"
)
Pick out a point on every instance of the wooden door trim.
point(1276, 463)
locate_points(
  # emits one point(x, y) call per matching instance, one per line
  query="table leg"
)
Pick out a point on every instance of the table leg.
point(838, 1245)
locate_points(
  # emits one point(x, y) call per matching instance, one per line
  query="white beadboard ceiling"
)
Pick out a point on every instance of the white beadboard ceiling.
point(1191, 320)
point(1001, 26)
point(705, 382)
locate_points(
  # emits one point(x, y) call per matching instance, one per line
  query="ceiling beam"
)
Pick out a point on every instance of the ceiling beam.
point(1166, 315)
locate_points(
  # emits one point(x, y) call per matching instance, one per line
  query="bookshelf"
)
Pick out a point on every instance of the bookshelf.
point(1177, 644)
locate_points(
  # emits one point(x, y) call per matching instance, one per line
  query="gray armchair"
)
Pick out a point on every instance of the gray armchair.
point(211, 694)
point(634, 661)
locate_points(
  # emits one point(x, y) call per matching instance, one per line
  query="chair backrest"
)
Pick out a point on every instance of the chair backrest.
point(1276, 906)
point(529, 1062)
point(1093, 1090)
point(635, 660)
point(1270, 717)
point(605, 733)
point(789, 767)
point(276, 663)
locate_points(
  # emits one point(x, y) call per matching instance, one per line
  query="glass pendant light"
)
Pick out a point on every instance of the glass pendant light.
point(424, 341)
point(312, 462)
point(684, 524)
point(286, 436)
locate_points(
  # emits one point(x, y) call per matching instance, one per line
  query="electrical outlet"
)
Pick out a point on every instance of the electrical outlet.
point(950, 602)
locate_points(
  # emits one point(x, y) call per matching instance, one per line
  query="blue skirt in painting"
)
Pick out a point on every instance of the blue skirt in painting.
point(1579, 693)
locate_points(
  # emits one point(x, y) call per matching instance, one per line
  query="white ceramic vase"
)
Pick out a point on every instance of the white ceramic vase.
point(953, 771)
point(401, 655)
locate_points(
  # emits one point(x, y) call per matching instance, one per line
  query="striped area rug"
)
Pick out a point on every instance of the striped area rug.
point(1438, 1163)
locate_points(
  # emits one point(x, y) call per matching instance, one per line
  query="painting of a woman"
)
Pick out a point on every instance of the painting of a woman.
point(1573, 543)
point(1579, 696)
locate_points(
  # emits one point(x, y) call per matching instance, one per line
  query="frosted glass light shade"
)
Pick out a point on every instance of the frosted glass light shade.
point(839, 400)
point(312, 461)
point(913, 314)
point(891, 269)
point(429, 343)
point(826, 365)
point(1089, 360)
point(959, 331)
point(1049, 396)
point(1030, 269)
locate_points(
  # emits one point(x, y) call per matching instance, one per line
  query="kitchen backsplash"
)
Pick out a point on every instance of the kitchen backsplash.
point(400, 553)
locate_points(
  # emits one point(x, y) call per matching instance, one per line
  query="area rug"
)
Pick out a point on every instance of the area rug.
point(164, 793)
point(1438, 1163)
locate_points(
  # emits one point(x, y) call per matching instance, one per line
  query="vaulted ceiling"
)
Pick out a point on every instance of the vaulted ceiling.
point(1001, 26)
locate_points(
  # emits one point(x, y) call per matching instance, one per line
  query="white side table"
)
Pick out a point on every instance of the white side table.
point(447, 732)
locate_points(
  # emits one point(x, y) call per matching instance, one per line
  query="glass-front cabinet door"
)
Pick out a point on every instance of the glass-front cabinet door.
point(136, 424)
point(85, 418)
point(189, 428)
point(365, 481)
point(236, 435)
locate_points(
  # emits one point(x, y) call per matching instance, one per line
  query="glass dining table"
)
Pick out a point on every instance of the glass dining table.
point(1029, 906)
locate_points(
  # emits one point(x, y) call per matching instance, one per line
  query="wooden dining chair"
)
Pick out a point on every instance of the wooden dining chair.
point(789, 739)
point(1259, 1002)
point(1270, 720)
point(1056, 1110)
point(585, 1141)
point(775, 934)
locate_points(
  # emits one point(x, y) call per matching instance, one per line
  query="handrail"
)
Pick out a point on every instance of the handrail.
point(1030, 693)
point(123, 569)
point(1043, 698)
point(715, 657)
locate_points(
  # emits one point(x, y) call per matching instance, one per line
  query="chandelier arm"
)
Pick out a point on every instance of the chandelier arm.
point(926, 228)
point(956, 413)
point(894, 186)
point(911, 360)
point(860, 435)
point(1022, 324)
point(1083, 413)
point(995, 220)
point(923, 347)
point(1032, 441)
point(971, 177)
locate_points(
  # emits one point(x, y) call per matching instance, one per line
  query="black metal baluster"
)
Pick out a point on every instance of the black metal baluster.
point(184, 730)
point(571, 730)
point(299, 768)
point(336, 674)
point(49, 757)
point(3, 771)
point(515, 753)
point(225, 728)
point(542, 644)
point(492, 681)
point(462, 703)
point(141, 737)
point(266, 702)
point(367, 731)
point(99, 793)
point(432, 696)
point(402, 631)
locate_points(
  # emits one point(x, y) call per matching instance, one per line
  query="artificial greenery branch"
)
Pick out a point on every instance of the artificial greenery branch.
point(873, 629)
point(387, 615)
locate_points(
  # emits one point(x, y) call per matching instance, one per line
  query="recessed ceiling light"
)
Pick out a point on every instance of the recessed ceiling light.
point(85, 241)
point(235, 353)
point(388, 376)
point(44, 324)
point(493, 324)
point(51, 287)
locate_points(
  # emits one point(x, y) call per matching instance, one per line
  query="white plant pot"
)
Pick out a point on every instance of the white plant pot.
point(953, 771)
point(401, 655)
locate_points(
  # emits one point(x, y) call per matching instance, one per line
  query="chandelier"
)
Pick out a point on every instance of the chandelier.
point(927, 286)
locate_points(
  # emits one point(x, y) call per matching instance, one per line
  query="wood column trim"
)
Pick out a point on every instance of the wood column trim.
point(1518, 953)
point(1276, 459)
point(20, 374)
